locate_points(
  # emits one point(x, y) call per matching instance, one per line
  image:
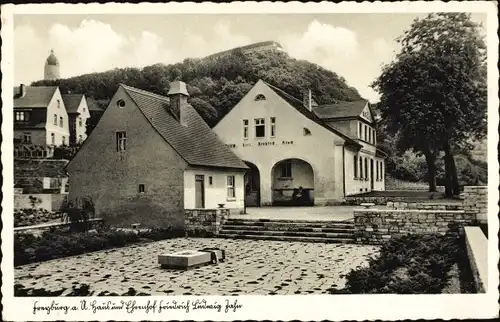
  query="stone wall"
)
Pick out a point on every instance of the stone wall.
point(378, 200)
point(373, 226)
point(204, 222)
point(477, 252)
point(476, 200)
point(426, 205)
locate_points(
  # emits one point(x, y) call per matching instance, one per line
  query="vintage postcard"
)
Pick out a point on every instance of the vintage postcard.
point(250, 161)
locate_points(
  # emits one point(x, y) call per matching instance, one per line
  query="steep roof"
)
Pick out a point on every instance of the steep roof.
point(299, 106)
point(340, 109)
point(196, 143)
point(93, 105)
point(35, 96)
point(72, 101)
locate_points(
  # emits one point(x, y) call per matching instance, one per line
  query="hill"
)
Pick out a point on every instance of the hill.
point(217, 84)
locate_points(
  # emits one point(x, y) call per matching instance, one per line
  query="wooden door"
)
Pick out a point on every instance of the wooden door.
point(199, 191)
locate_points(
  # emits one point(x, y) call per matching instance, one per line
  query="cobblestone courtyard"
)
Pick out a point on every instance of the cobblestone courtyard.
point(251, 267)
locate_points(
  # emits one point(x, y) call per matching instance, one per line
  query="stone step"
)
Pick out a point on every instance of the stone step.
point(291, 238)
point(291, 223)
point(281, 227)
point(286, 233)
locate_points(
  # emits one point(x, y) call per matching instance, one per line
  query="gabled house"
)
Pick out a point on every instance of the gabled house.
point(300, 153)
point(40, 120)
point(78, 113)
point(150, 157)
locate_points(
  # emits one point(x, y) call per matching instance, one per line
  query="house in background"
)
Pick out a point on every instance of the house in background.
point(40, 121)
point(78, 113)
point(300, 153)
point(150, 157)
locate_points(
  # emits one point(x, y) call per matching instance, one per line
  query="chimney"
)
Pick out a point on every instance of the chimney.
point(178, 96)
point(22, 90)
point(307, 99)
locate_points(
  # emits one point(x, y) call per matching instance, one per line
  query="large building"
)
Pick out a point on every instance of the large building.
point(40, 121)
point(51, 69)
point(150, 157)
point(300, 153)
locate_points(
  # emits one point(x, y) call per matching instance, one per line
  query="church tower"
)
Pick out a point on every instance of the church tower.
point(51, 67)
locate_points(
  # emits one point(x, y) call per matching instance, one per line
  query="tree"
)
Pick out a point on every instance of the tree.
point(434, 93)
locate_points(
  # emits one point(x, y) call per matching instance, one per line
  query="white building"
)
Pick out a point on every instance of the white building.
point(300, 153)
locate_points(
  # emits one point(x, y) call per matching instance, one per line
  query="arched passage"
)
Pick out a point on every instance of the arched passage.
point(252, 186)
point(292, 183)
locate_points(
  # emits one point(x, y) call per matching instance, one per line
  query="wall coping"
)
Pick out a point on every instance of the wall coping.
point(409, 210)
point(477, 243)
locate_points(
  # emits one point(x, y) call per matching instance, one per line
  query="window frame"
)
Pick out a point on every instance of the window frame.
point(121, 141)
point(361, 172)
point(143, 190)
point(230, 188)
point(245, 129)
point(286, 170)
point(27, 137)
point(53, 138)
point(260, 123)
point(273, 127)
point(80, 122)
point(355, 167)
point(367, 174)
point(55, 119)
point(61, 121)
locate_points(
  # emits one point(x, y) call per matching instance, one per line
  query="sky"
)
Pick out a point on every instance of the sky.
point(355, 46)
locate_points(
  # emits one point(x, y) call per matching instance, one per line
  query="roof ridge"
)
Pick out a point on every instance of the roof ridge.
point(143, 92)
point(282, 91)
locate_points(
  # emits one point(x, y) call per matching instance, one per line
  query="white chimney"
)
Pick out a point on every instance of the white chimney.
point(178, 96)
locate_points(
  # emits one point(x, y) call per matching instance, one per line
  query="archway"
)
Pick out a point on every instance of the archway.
point(252, 186)
point(292, 183)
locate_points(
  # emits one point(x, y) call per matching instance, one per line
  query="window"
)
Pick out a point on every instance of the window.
point(84, 109)
point(55, 119)
point(58, 104)
point(63, 140)
point(27, 138)
point(121, 141)
point(360, 167)
point(273, 126)
point(210, 180)
point(80, 121)
point(260, 97)
point(286, 170)
point(306, 131)
point(142, 189)
point(355, 167)
point(245, 129)
point(61, 122)
point(260, 128)
point(120, 103)
point(366, 169)
point(377, 163)
point(366, 133)
point(374, 137)
point(22, 116)
point(52, 138)
point(360, 130)
point(230, 187)
point(381, 170)
point(370, 135)
point(80, 138)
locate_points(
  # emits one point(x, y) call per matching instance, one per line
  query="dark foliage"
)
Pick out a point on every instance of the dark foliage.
point(56, 244)
point(407, 265)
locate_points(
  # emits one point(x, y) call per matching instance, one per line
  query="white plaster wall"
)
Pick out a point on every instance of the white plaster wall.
point(83, 109)
point(357, 185)
point(318, 149)
point(217, 192)
point(59, 132)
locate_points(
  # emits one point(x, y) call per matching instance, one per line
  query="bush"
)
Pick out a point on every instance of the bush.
point(407, 265)
point(30, 216)
point(56, 244)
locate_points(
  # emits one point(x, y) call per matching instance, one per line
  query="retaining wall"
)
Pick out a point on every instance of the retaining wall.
point(476, 200)
point(426, 205)
point(374, 226)
point(477, 252)
point(204, 222)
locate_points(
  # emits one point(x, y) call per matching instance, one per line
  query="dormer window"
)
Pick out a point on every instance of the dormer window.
point(306, 131)
point(260, 97)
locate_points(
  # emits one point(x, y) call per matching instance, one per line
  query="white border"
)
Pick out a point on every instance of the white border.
point(310, 307)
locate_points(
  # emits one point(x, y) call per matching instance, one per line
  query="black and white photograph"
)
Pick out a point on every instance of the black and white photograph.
point(204, 161)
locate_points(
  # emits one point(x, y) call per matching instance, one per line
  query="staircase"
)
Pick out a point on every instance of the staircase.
point(314, 231)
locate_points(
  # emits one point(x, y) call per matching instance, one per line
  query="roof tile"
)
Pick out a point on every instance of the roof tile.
point(35, 96)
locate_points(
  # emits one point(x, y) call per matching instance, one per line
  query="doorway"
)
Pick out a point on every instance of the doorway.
point(199, 191)
point(252, 186)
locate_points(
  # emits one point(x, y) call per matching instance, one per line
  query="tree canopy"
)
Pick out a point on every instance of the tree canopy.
point(433, 95)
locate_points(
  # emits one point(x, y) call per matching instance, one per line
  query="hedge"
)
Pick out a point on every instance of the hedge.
point(408, 265)
point(56, 244)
